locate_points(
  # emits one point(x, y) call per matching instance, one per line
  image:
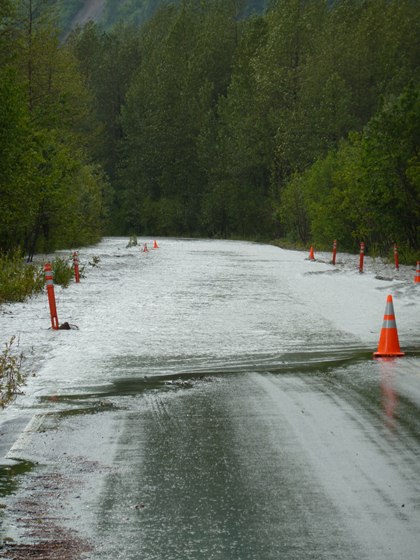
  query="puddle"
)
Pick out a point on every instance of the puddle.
point(11, 474)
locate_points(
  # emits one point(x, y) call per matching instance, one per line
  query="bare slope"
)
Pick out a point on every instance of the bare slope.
point(91, 10)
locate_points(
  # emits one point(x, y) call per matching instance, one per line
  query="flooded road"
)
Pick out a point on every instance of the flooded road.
point(219, 401)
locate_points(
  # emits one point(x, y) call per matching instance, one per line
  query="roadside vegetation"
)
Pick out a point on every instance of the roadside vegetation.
point(20, 280)
point(63, 271)
point(12, 376)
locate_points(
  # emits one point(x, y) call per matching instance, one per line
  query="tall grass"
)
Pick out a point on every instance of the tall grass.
point(18, 280)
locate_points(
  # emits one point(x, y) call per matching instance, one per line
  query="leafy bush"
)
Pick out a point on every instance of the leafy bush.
point(11, 375)
point(18, 280)
point(63, 271)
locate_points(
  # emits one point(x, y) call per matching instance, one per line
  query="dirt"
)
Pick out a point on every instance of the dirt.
point(43, 526)
point(64, 548)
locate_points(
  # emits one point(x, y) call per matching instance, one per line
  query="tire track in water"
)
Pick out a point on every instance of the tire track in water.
point(375, 489)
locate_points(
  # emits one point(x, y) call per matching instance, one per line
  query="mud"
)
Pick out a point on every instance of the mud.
point(42, 525)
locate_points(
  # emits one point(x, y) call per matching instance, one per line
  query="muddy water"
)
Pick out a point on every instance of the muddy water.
point(220, 401)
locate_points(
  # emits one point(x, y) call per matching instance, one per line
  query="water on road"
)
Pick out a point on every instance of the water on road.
point(219, 401)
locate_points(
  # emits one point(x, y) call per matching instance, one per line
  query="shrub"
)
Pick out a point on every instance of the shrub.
point(63, 271)
point(132, 242)
point(11, 375)
point(18, 280)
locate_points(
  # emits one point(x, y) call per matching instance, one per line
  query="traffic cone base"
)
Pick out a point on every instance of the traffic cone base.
point(389, 344)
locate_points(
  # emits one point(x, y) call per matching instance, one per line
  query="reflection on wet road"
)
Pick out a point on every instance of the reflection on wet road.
point(227, 410)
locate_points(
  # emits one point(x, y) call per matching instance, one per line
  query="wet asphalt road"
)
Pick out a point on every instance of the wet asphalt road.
point(219, 406)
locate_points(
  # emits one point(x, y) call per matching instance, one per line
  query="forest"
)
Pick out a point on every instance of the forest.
point(139, 11)
point(135, 12)
point(292, 119)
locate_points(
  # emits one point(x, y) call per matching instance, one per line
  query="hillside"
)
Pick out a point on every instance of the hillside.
point(111, 12)
point(91, 10)
point(139, 11)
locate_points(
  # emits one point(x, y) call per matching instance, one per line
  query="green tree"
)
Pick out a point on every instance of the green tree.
point(18, 159)
point(169, 105)
point(107, 62)
point(43, 141)
point(238, 201)
point(368, 189)
point(391, 165)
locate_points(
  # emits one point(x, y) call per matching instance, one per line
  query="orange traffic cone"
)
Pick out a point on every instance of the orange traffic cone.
point(417, 276)
point(388, 342)
point(155, 245)
point(145, 249)
point(311, 254)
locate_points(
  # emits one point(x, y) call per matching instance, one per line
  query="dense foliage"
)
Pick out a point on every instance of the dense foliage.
point(138, 12)
point(222, 126)
point(134, 12)
point(301, 121)
point(368, 188)
point(52, 193)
